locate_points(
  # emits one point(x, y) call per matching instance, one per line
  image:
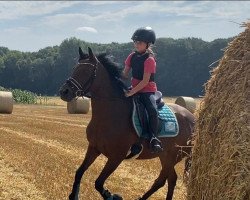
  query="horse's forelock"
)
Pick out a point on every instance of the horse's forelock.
point(83, 57)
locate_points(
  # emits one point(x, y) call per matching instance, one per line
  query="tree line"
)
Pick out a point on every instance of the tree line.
point(183, 65)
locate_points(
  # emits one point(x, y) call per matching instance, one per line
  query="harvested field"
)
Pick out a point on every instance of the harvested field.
point(42, 146)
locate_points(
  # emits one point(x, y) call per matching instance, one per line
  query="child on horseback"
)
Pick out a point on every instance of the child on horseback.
point(143, 65)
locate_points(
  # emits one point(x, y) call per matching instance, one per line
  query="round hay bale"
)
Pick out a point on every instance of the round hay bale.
point(186, 102)
point(221, 156)
point(78, 106)
point(6, 102)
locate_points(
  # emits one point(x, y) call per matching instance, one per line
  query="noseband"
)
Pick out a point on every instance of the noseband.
point(77, 87)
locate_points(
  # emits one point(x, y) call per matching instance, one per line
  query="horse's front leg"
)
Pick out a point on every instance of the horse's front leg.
point(108, 169)
point(90, 157)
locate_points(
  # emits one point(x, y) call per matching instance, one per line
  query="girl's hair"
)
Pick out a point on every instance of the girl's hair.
point(150, 51)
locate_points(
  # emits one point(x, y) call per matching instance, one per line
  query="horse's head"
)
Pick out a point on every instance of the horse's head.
point(83, 75)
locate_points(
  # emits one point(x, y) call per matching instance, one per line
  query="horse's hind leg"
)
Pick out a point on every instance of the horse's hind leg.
point(167, 173)
point(159, 182)
point(90, 157)
point(108, 169)
point(171, 183)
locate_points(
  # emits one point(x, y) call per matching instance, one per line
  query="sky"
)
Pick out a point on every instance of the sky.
point(33, 25)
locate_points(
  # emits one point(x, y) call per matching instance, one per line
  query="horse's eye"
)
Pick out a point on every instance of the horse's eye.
point(75, 66)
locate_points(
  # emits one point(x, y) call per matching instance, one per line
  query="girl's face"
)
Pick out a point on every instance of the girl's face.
point(140, 46)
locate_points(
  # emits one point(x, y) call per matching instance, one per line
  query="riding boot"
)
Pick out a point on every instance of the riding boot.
point(155, 145)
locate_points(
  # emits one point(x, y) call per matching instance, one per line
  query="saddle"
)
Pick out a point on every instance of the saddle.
point(142, 113)
point(168, 125)
point(158, 98)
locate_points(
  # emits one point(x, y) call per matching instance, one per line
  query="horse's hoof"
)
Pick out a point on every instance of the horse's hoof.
point(71, 197)
point(117, 197)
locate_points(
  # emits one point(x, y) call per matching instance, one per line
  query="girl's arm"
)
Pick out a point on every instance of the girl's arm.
point(141, 85)
point(125, 72)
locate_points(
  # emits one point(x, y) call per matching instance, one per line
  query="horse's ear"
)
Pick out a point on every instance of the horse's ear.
point(91, 55)
point(81, 54)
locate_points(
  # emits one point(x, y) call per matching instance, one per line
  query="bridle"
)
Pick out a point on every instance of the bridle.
point(77, 87)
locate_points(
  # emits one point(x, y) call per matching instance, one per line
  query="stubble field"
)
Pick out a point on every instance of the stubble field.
point(42, 146)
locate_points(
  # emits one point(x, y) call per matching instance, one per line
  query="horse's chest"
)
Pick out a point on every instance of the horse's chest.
point(98, 129)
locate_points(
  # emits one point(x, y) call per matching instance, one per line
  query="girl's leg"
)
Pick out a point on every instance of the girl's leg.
point(151, 107)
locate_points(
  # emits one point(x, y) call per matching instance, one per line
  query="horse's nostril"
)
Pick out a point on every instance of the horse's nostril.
point(65, 91)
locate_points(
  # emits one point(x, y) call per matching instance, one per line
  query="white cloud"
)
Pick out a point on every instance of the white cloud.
point(17, 9)
point(66, 20)
point(203, 11)
point(17, 30)
point(86, 29)
point(54, 21)
point(98, 3)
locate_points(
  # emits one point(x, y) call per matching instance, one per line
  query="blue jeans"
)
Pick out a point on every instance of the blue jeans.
point(150, 104)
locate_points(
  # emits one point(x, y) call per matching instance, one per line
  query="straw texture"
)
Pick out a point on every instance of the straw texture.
point(6, 102)
point(78, 106)
point(221, 155)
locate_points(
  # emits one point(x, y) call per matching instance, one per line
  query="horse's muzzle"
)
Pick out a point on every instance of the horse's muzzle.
point(66, 93)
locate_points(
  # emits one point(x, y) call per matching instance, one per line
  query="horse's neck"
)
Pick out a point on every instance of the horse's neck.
point(107, 99)
point(114, 107)
point(102, 86)
point(106, 110)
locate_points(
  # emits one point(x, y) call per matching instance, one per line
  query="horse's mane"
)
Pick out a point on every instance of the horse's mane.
point(114, 69)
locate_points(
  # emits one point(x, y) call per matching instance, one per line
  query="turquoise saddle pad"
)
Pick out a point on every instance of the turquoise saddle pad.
point(168, 125)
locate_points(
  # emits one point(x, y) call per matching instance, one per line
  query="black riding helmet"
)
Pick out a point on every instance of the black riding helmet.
point(145, 34)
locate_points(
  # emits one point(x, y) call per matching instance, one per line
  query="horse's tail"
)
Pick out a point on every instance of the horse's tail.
point(187, 167)
point(190, 143)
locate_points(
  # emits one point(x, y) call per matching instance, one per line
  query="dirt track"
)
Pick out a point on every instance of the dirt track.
point(42, 146)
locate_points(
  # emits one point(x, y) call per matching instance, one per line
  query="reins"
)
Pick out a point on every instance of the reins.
point(83, 90)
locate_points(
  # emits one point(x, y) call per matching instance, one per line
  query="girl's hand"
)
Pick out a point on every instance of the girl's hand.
point(129, 93)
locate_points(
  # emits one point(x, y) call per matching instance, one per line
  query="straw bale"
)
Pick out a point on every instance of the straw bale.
point(186, 102)
point(78, 106)
point(6, 102)
point(221, 155)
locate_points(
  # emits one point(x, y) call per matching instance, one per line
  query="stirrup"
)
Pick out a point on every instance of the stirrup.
point(154, 138)
point(156, 148)
point(134, 151)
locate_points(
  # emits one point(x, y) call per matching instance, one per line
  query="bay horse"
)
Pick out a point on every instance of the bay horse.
point(110, 131)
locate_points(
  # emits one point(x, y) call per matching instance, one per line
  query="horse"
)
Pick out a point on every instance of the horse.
point(110, 131)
